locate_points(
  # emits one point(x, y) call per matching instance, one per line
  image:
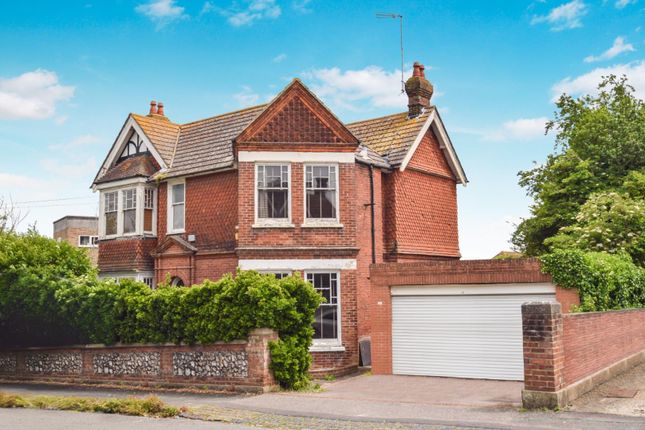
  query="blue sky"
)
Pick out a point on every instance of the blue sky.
point(71, 71)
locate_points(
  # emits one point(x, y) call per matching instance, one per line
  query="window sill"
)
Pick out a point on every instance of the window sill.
point(326, 348)
point(321, 224)
point(176, 232)
point(278, 224)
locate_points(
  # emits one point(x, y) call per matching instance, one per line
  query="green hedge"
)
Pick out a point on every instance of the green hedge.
point(50, 295)
point(604, 281)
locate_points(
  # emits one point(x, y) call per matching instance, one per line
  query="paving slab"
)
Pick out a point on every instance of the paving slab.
point(622, 395)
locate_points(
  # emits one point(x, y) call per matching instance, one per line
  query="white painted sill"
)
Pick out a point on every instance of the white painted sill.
point(331, 347)
point(273, 224)
point(321, 224)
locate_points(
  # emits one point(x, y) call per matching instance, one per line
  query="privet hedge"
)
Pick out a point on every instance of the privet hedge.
point(604, 281)
point(49, 287)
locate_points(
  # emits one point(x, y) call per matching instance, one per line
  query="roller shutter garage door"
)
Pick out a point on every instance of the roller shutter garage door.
point(462, 331)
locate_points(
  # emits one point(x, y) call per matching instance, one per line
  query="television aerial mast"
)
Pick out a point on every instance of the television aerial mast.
point(381, 15)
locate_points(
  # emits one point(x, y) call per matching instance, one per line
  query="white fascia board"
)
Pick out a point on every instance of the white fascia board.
point(473, 289)
point(121, 183)
point(417, 141)
point(295, 157)
point(300, 265)
point(120, 142)
point(444, 142)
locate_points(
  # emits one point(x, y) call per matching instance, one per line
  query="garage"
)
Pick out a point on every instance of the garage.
point(462, 331)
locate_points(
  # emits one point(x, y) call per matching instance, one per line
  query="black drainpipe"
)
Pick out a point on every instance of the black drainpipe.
point(372, 213)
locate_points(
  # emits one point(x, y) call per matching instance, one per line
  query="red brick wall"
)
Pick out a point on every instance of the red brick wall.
point(426, 215)
point(126, 254)
point(364, 241)
point(341, 362)
point(297, 235)
point(384, 276)
point(429, 157)
point(542, 343)
point(211, 210)
point(593, 341)
point(567, 298)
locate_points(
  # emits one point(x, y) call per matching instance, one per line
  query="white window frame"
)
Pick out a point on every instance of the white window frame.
point(139, 186)
point(276, 272)
point(169, 218)
point(272, 222)
point(320, 222)
point(137, 210)
point(89, 239)
point(103, 219)
point(321, 345)
point(154, 211)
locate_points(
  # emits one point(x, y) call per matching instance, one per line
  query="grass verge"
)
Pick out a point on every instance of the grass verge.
point(150, 406)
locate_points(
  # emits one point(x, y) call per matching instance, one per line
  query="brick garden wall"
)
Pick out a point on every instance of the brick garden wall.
point(236, 366)
point(595, 340)
point(567, 355)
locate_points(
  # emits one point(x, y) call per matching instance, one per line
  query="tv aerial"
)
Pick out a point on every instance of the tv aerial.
point(382, 15)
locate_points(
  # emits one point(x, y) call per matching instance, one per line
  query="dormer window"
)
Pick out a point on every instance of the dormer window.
point(134, 146)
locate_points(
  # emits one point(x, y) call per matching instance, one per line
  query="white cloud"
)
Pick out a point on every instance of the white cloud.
point(588, 83)
point(350, 88)
point(161, 12)
point(206, 8)
point(279, 58)
point(301, 6)
point(519, 129)
point(32, 95)
point(622, 3)
point(617, 48)
point(563, 17)
point(246, 97)
point(10, 180)
point(255, 10)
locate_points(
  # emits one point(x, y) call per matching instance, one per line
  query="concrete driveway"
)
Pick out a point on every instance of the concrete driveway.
point(426, 390)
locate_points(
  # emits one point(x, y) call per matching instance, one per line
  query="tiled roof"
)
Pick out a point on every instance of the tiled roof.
point(161, 132)
point(139, 165)
point(208, 144)
point(390, 136)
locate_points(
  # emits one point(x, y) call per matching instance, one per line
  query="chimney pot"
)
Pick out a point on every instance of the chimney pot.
point(419, 91)
point(418, 70)
point(153, 107)
point(160, 109)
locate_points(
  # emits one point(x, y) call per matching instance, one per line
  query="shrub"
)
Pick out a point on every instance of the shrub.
point(224, 310)
point(604, 281)
point(32, 269)
point(50, 295)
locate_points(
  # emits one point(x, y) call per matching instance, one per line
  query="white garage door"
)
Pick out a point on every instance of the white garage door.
point(463, 331)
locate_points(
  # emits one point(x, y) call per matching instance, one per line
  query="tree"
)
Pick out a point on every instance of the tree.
point(10, 217)
point(600, 142)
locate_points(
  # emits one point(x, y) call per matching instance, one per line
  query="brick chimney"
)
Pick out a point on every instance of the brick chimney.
point(153, 108)
point(419, 91)
point(160, 109)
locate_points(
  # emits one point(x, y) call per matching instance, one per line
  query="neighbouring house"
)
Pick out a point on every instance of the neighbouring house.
point(280, 188)
point(79, 231)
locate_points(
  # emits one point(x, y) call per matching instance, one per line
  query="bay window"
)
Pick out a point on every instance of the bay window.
point(272, 192)
point(326, 322)
point(321, 191)
point(128, 211)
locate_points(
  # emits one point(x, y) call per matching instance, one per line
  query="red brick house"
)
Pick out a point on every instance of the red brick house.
point(283, 187)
